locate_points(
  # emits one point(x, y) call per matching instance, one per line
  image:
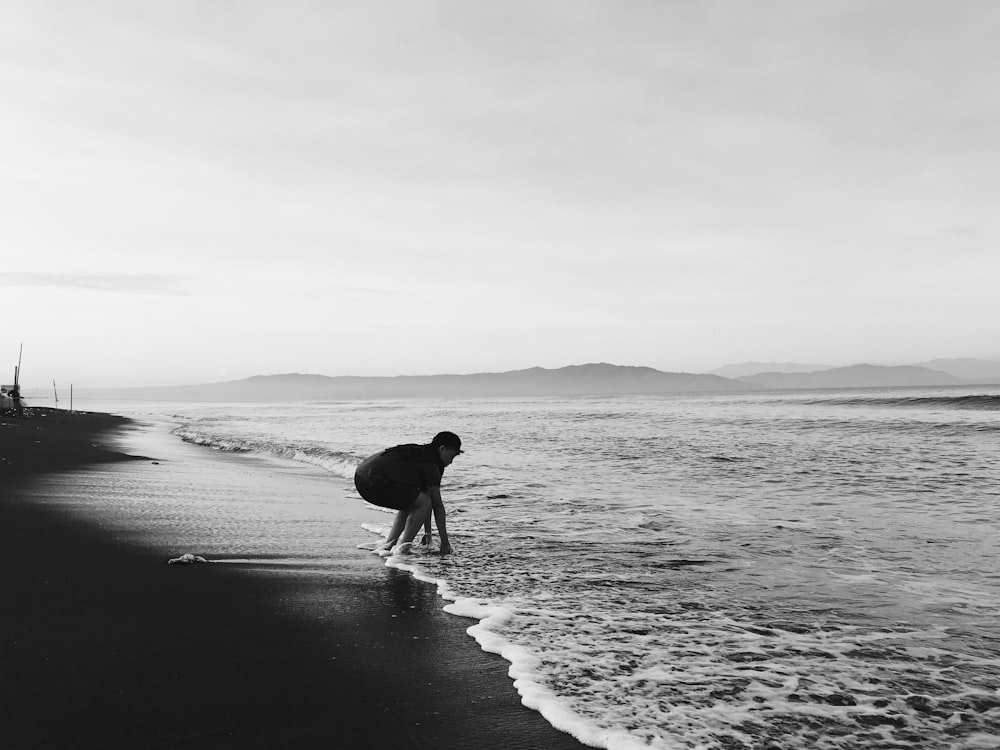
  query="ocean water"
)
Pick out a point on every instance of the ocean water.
point(767, 570)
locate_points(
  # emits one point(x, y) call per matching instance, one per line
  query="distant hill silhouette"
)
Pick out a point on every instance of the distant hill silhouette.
point(590, 379)
point(966, 371)
point(575, 380)
point(744, 369)
point(968, 368)
point(856, 376)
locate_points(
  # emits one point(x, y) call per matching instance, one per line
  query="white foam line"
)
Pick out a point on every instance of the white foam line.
point(523, 664)
point(523, 671)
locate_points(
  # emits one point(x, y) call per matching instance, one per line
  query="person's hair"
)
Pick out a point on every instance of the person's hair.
point(447, 440)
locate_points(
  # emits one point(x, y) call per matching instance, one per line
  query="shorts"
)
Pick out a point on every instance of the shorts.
point(384, 492)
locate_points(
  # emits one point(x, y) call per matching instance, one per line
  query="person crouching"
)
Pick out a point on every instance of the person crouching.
point(407, 479)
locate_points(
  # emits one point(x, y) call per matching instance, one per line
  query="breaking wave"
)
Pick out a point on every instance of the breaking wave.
point(341, 464)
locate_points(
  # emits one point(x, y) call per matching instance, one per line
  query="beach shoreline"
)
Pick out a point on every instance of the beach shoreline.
point(107, 645)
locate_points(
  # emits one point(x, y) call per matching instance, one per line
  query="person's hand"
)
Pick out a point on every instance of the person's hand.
point(445, 548)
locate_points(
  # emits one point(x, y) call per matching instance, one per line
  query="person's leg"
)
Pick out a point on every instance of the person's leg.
point(418, 513)
point(385, 494)
point(397, 528)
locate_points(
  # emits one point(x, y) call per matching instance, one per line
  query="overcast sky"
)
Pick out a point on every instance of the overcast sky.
point(203, 190)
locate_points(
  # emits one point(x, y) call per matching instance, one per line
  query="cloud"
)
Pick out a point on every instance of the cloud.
point(165, 284)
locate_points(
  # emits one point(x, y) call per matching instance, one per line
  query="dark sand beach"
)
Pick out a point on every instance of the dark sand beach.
point(103, 644)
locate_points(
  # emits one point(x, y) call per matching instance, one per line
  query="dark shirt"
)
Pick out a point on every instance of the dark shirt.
point(411, 464)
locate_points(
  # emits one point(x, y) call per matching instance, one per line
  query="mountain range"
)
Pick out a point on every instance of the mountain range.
point(536, 381)
point(964, 369)
point(856, 376)
point(589, 379)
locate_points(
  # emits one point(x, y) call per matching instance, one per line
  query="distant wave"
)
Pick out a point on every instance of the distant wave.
point(982, 402)
point(341, 464)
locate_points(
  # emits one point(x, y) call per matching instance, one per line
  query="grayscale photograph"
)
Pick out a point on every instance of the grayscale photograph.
point(529, 375)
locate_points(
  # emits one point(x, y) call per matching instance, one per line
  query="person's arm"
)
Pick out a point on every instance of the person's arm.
point(437, 505)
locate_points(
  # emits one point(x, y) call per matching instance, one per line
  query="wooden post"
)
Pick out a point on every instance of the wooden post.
point(16, 394)
point(54, 391)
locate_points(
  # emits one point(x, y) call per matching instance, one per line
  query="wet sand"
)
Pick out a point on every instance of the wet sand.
point(103, 644)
